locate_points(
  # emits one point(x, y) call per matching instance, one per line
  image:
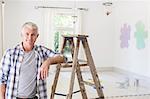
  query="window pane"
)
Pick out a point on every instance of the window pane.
point(64, 25)
point(63, 21)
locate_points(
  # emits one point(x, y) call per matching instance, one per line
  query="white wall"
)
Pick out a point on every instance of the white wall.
point(25, 11)
point(148, 67)
point(17, 13)
point(104, 31)
point(0, 30)
point(100, 28)
point(95, 23)
point(132, 59)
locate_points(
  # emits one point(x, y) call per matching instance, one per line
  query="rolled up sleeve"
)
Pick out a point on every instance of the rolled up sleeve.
point(5, 67)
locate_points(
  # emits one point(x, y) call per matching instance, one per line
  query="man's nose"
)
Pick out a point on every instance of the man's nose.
point(29, 36)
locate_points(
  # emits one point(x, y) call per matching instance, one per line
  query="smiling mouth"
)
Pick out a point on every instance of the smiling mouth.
point(29, 41)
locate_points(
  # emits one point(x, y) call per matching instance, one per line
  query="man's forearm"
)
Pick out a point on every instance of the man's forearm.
point(49, 61)
point(56, 59)
point(2, 91)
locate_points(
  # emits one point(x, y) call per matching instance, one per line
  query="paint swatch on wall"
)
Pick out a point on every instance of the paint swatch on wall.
point(140, 35)
point(125, 36)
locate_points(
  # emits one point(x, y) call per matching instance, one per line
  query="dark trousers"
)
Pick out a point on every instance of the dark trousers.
point(28, 98)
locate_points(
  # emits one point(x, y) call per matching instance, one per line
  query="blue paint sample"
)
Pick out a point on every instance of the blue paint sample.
point(140, 35)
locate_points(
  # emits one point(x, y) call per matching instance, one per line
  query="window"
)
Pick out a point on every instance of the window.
point(64, 24)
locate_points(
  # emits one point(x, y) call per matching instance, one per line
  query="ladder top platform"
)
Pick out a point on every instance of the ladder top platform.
point(74, 35)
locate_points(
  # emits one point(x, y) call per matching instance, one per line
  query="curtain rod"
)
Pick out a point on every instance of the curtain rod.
point(38, 7)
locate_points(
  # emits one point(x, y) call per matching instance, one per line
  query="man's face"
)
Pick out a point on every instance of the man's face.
point(29, 36)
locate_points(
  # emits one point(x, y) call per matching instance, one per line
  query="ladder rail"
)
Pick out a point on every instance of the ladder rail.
point(92, 67)
point(74, 66)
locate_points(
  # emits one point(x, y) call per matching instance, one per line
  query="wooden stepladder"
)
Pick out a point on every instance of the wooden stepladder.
point(76, 67)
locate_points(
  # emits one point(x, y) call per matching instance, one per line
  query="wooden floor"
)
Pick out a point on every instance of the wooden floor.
point(116, 86)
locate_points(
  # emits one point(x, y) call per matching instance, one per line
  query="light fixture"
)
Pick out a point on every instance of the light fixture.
point(108, 7)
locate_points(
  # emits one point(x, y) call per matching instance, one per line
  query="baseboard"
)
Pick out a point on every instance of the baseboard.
point(104, 69)
point(131, 74)
point(145, 80)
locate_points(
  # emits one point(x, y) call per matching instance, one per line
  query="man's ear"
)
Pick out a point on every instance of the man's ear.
point(37, 35)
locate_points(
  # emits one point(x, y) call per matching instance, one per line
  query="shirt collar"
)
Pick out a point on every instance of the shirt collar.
point(22, 49)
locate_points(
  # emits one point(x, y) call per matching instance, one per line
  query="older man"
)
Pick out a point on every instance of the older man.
point(24, 68)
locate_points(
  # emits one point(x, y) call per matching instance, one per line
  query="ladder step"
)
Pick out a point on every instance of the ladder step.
point(74, 35)
point(66, 65)
point(79, 60)
point(90, 84)
point(61, 94)
point(70, 63)
point(98, 98)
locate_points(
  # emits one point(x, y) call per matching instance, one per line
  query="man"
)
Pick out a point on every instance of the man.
point(24, 68)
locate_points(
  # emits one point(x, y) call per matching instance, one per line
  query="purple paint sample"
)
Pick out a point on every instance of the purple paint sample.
point(125, 36)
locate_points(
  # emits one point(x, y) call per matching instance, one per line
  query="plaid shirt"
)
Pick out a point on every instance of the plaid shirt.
point(10, 69)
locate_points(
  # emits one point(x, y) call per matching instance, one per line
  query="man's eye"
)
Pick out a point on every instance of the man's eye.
point(27, 34)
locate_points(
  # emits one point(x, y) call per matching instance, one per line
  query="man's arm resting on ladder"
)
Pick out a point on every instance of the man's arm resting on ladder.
point(58, 58)
point(2, 91)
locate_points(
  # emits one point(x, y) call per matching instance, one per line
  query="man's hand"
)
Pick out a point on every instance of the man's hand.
point(44, 70)
point(2, 91)
point(52, 60)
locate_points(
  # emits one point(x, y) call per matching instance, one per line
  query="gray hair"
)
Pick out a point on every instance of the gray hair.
point(30, 25)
